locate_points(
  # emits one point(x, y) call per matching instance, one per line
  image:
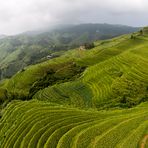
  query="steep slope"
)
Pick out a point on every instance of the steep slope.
point(120, 80)
point(113, 74)
point(32, 47)
point(68, 91)
point(35, 124)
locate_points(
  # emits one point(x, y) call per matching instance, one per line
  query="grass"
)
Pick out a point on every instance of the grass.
point(121, 64)
point(37, 124)
point(103, 105)
point(121, 60)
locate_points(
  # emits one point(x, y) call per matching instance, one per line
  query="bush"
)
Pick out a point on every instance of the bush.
point(141, 32)
point(3, 95)
point(89, 45)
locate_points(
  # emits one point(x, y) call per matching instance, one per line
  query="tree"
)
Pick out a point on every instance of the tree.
point(89, 45)
point(132, 36)
point(141, 32)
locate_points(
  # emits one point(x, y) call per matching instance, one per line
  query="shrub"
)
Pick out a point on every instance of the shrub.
point(132, 36)
point(89, 45)
point(3, 95)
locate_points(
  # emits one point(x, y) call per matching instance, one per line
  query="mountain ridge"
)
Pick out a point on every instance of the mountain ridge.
point(29, 48)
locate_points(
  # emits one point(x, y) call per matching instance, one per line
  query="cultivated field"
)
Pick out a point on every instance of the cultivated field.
point(37, 124)
point(83, 99)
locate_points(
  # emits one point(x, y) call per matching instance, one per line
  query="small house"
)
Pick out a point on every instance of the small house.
point(49, 56)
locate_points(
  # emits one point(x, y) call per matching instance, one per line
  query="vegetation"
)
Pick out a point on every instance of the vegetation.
point(129, 92)
point(67, 72)
point(94, 98)
point(113, 78)
point(34, 124)
point(17, 52)
point(89, 45)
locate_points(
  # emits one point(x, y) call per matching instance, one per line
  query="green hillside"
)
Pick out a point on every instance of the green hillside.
point(113, 74)
point(34, 124)
point(30, 48)
point(92, 98)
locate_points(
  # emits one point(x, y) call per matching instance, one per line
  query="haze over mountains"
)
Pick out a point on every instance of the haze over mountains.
point(16, 52)
point(19, 16)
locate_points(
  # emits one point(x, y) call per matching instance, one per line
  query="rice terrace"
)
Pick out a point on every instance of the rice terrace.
point(73, 81)
point(99, 99)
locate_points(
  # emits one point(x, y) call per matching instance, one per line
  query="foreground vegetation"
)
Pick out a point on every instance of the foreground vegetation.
point(84, 98)
point(38, 124)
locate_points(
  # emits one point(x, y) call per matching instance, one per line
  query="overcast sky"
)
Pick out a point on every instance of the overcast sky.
point(21, 15)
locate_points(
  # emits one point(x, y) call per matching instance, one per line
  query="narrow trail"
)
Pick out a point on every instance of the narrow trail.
point(144, 140)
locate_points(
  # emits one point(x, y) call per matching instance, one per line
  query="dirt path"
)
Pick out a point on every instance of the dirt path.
point(143, 143)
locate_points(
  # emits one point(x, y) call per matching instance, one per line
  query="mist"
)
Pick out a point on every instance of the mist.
point(21, 15)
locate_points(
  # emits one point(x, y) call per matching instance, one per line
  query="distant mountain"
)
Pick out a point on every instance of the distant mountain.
point(28, 48)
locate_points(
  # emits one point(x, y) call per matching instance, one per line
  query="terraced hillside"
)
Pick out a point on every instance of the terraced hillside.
point(35, 124)
point(115, 75)
point(119, 79)
point(94, 98)
point(19, 51)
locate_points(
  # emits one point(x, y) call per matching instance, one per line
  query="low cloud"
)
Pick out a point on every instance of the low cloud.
point(21, 15)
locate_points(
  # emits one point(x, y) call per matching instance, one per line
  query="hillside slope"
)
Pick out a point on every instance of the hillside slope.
point(95, 98)
point(120, 78)
point(35, 124)
point(32, 47)
point(113, 74)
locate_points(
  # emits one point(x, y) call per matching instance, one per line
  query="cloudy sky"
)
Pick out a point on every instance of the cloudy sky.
point(21, 15)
